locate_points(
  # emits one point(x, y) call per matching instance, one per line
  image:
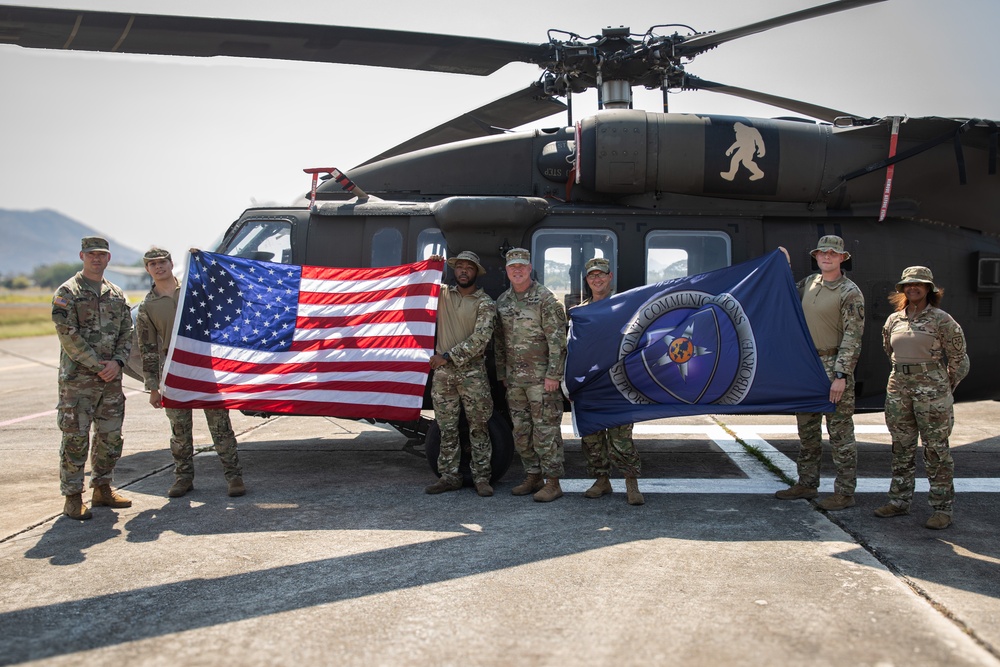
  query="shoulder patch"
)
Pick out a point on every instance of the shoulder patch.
point(59, 301)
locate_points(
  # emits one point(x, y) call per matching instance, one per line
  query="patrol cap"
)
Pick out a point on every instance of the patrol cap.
point(518, 256)
point(597, 264)
point(916, 274)
point(831, 242)
point(94, 244)
point(468, 256)
point(155, 253)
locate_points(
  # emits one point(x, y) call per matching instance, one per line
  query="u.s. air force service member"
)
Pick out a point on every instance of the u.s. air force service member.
point(154, 327)
point(94, 326)
point(530, 353)
point(465, 321)
point(613, 445)
point(927, 349)
point(834, 309)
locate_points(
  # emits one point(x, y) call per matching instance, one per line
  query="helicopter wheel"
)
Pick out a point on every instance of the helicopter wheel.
point(501, 438)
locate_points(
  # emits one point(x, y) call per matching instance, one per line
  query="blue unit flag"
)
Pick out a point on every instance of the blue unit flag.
point(732, 341)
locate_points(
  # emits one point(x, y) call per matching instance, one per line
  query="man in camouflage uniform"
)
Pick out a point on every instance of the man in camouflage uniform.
point(927, 350)
point(834, 309)
point(465, 319)
point(530, 347)
point(94, 326)
point(613, 445)
point(155, 326)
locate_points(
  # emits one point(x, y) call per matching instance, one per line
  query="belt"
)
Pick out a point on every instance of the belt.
point(828, 351)
point(922, 367)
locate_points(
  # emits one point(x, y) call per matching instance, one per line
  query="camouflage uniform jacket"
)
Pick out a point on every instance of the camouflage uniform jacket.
point(530, 341)
point(91, 327)
point(948, 348)
point(154, 325)
point(852, 318)
point(473, 346)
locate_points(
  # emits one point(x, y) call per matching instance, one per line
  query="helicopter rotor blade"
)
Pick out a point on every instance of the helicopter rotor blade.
point(797, 106)
point(519, 108)
point(198, 36)
point(702, 43)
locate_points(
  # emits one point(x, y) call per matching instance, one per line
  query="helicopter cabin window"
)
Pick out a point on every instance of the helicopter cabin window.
point(430, 242)
point(558, 257)
point(387, 247)
point(676, 254)
point(263, 240)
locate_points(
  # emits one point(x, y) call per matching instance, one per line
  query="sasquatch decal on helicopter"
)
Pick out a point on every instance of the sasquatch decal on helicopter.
point(749, 153)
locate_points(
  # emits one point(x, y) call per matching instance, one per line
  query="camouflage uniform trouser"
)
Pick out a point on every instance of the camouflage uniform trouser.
point(537, 417)
point(613, 445)
point(921, 404)
point(82, 403)
point(182, 441)
point(840, 426)
point(451, 388)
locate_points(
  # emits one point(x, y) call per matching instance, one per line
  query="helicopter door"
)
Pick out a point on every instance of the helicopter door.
point(558, 257)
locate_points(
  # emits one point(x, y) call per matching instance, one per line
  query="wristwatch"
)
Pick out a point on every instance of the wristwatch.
point(121, 364)
point(446, 356)
point(839, 375)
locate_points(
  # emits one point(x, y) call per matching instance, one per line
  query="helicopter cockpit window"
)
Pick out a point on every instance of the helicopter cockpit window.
point(430, 242)
point(559, 255)
point(676, 254)
point(264, 240)
point(387, 247)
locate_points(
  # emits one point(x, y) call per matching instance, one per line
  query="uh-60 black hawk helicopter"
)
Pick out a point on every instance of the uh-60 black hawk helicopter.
point(660, 194)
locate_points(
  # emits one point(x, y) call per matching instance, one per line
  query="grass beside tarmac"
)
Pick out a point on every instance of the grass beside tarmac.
point(26, 313)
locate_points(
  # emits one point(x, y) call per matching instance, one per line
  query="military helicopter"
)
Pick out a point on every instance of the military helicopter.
point(660, 194)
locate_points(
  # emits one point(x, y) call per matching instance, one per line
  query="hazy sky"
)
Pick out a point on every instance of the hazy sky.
point(169, 151)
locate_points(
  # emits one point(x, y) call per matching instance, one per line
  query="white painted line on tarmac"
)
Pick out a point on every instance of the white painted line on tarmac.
point(759, 480)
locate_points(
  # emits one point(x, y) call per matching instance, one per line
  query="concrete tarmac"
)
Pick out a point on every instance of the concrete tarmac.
point(336, 556)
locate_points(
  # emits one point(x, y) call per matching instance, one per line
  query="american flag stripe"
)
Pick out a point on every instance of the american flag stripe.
point(277, 338)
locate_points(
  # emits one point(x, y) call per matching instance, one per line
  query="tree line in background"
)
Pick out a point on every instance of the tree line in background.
point(49, 276)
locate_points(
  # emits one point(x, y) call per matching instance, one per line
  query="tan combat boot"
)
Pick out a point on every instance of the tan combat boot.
point(837, 501)
point(632, 490)
point(550, 491)
point(75, 509)
point(484, 489)
point(443, 485)
point(103, 495)
point(180, 486)
point(938, 521)
point(796, 492)
point(601, 487)
point(533, 482)
point(236, 487)
point(890, 510)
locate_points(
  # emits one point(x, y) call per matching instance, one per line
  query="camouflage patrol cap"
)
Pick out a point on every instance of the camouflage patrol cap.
point(916, 274)
point(597, 264)
point(518, 256)
point(155, 253)
point(94, 244)
point(468, 256)
point(831, 242)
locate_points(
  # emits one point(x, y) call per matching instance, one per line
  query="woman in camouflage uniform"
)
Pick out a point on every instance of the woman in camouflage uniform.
point(927, 350)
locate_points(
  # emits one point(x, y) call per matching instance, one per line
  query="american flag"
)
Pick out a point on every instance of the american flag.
point(302, 340)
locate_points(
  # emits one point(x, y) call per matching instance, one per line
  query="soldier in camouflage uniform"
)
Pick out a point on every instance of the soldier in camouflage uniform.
point(94, 326)
point(530, 347)
point(465, 320)
point(834, 309)
point(927, 350)
point(613, 445)
point(155, 326)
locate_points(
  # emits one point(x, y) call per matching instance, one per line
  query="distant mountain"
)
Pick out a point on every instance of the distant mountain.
point(34, 238)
